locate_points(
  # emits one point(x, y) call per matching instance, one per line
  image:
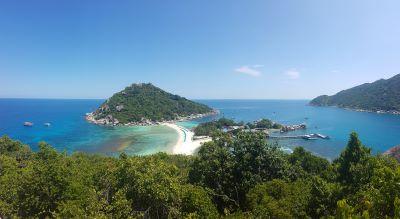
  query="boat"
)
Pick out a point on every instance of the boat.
point(47, 124)
point(28, 124)
point(322, 136)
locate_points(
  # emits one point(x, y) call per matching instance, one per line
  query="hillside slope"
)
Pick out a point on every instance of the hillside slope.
point(146, 104)
point(379, 96)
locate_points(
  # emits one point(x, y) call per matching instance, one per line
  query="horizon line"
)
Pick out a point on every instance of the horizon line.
point(61, 98)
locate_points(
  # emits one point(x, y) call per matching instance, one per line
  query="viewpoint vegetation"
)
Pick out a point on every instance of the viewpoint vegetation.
point(240, 176)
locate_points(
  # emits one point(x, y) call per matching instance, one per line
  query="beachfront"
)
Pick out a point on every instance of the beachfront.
point(185, 143)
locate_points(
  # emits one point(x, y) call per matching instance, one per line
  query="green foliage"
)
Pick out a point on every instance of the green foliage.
point(308, 162)
point(14, 148)
point(146, 101)
point(344, 211)
point(196, 202)
point(323, 197)
point(379, 95)
point(396, 208)
point(230, 166)
point(233, 176)
point(279, 199)
point(352, 162)
point(264, 124)
point(209, 128)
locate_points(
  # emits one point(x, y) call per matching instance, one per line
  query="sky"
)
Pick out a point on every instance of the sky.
point(225, 49)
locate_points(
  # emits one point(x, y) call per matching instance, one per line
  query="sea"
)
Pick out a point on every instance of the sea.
point(70, 132)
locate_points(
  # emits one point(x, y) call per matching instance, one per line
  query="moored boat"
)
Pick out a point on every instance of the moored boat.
point(28, 124)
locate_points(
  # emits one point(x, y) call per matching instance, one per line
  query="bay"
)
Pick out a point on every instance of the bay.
point(70, 132)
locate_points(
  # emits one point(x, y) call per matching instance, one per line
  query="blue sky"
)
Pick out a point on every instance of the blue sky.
point(286, 49)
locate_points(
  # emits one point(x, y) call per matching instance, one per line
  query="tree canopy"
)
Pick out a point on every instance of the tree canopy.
point(146, 101)
point(233, 176)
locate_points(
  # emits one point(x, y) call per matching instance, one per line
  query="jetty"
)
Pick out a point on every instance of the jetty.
point(313, 136)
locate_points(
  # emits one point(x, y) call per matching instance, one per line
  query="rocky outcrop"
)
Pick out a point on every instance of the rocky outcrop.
point(394, 152)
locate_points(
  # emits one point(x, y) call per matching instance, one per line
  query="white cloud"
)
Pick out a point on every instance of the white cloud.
point(292, 74)
point(252, 71)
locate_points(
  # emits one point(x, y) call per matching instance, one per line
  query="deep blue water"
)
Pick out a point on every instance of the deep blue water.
point(378, 131)
point(69, 131)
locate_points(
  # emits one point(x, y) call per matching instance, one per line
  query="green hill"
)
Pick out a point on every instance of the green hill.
point(145, 104)
point(381, 95)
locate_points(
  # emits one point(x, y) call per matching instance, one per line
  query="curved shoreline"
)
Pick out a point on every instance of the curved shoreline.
point(185, 143)
point(391, 112)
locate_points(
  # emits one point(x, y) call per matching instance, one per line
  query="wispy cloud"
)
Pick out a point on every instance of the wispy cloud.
point(292, 74)
point(252, 71)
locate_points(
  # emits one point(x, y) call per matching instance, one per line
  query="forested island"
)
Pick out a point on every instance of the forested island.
point(382, 96)
point(229, 125)
point(146, 104)
point(232, 176)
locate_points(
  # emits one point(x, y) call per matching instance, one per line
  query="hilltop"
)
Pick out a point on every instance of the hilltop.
point(381, 96)
point(145, 104)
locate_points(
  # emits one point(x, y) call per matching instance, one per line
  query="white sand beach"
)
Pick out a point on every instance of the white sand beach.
point(185, 144)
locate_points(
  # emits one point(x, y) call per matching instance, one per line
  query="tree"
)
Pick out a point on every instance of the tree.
point(213, 168)
point(279, 199)
point(197, 203)
point(352, 158)
point(230, 166)
point(323, 197)
point(256, 161)
point(308, 162)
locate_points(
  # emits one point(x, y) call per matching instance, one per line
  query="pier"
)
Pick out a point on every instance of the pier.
point(313, 136)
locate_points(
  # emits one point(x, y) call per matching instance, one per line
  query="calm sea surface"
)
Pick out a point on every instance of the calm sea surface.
point(69, 130)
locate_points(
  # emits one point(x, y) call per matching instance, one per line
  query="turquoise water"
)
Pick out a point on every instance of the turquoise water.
point(379, 131)
point(69, 131)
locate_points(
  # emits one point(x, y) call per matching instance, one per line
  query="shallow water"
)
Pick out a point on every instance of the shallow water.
point(69, 130)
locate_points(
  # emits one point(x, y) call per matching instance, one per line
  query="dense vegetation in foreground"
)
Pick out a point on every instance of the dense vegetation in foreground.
point(140, 102)
point(381, 95)
point(234, 177)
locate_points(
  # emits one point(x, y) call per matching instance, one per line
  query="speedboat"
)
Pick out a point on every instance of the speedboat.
point(28, 124)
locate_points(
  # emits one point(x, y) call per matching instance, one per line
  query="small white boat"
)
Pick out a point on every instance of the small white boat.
point(47, 124)
point(28, 124)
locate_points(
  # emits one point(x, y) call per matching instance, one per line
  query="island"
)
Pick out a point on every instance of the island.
point(263, 125)
point(146, 104)
point(382, 96)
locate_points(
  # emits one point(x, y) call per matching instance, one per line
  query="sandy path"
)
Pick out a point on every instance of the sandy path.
point(185, 144)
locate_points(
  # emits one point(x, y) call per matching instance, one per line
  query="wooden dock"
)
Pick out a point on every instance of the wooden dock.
point(313, 136)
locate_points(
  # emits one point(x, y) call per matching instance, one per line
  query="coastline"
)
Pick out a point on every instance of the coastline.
point(392, 112)
point(185, 144)
point(110, 121)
